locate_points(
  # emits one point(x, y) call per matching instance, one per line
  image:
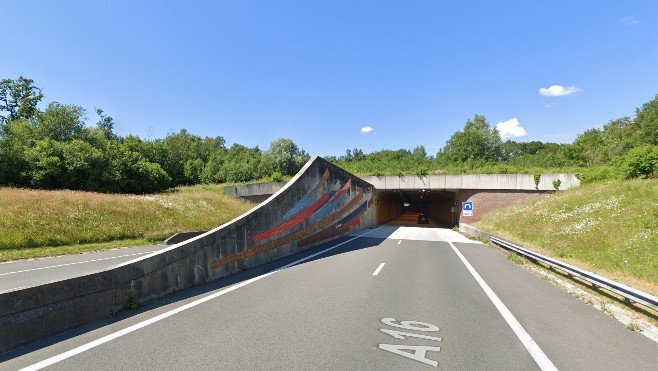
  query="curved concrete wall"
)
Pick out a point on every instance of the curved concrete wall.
point(320, 203)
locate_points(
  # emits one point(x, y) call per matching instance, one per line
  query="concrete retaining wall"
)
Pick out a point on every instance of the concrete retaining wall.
point(256, 189)
point(320, 203)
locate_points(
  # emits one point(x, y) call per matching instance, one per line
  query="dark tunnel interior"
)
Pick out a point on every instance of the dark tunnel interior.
point(403, 206)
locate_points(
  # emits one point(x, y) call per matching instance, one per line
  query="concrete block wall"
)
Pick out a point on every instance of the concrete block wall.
point(322, 202)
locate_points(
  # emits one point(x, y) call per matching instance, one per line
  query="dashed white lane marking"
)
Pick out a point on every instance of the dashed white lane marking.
point(399, 242)
point(378, 269)
point(74, 263)
point(537, 354)
point(83, 348)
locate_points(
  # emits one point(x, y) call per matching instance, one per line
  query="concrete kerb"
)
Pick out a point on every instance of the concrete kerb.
point(38, 312)
point(474, 232)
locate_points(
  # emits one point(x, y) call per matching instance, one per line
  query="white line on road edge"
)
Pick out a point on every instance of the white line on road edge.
point(378, 269)
point(537, 354)
point(83, 348)
point(74, 263)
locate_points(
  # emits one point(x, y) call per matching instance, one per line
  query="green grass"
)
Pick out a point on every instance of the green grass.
point(610, 228)
point(44, 223)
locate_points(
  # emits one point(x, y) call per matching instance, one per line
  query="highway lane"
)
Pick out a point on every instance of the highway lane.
point(333, 312)
point(31, 272)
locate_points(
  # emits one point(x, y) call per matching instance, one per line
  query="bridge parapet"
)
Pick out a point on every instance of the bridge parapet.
point(520, 182)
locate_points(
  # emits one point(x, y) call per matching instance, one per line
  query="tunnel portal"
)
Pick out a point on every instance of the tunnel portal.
point(404, 206)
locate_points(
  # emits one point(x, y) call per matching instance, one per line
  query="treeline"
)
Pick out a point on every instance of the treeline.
point(625, 147)
point(55, 149)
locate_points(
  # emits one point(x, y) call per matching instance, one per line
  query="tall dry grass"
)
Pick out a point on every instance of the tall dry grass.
point(610, 228)
point(35, 218)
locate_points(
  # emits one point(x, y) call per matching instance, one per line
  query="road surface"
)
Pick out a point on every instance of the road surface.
point(31, 272)
point(394, 298)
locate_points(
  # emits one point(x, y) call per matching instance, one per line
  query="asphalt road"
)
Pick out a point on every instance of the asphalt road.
point(396, 298)
point(27, 273)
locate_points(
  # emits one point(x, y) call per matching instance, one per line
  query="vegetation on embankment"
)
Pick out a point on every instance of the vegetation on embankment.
point(37, 223)
point(609, 228)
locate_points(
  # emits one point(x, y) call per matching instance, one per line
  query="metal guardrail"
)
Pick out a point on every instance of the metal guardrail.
point(628, 293)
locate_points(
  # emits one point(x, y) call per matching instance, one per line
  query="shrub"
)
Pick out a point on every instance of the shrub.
point(641, 162)
point(277, 176)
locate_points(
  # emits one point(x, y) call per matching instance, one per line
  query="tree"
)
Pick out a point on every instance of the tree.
point(619, 137)
point(193, 170)
point(46, 168)
point(477, 143)
point(357, 155)
point(286, 156)
point(129, 172)
point(83, 165)
point(106, 125)
point(212, 171)
point(419, 153)
point(178, 150)
point(61, 122)
point(16, 137)
point(18, 99)
point(590, 148)
point(647, 121)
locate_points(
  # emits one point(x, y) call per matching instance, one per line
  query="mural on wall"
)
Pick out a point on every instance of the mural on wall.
point(329, 208)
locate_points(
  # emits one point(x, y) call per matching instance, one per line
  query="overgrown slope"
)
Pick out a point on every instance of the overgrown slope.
point(610, 228)
point(34, 218)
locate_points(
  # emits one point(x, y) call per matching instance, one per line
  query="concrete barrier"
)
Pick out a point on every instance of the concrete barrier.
point(320, 203)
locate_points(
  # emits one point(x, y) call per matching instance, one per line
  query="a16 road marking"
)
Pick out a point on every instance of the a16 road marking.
point(415, 352)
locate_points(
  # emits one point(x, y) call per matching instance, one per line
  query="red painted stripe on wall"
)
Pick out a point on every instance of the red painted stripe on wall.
point(356, 221)
point(343, 190)
point(334, 230)
point(289, 238)
point(294, 221)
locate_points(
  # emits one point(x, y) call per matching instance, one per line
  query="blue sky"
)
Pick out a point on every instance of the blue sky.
point(319, 72)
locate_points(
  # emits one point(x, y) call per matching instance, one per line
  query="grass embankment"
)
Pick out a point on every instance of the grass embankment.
point(609, 228)
point(36, 223)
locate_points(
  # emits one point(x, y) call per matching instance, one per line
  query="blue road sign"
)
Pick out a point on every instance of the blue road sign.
point(467, 208)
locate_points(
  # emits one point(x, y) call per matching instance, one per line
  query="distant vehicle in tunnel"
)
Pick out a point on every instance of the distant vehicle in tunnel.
point(422, 219)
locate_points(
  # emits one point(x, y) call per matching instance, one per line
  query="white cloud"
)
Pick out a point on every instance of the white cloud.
point(630, 21)
point(511, 129)
point(558, 91)
point(367, 130)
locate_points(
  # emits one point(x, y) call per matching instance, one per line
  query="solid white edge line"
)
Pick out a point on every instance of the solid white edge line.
point(535, 351)
point(378, 269)
point(83, 348)
point(75, 263)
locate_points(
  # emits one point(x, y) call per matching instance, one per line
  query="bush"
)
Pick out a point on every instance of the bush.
point(277, 176)
point(641, 162)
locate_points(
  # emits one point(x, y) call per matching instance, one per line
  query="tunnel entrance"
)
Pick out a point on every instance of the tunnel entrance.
point(405, 206)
